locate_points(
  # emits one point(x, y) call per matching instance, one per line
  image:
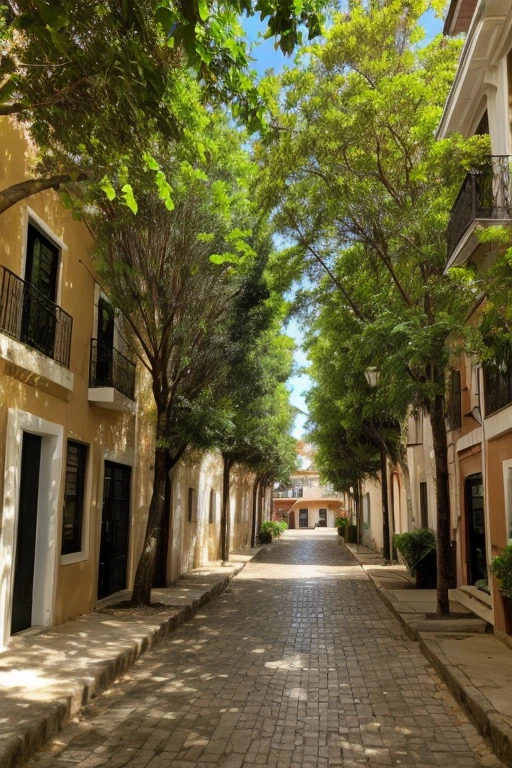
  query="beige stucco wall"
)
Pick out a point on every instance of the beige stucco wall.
point(372, 536)
point(108, 434)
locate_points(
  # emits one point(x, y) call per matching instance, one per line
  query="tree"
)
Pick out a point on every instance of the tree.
point(258, 432)
point(354, 427)
point(357, 180)
point(97, 83)
point(170, 273)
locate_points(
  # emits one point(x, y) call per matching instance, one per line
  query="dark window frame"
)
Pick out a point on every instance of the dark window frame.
point(190, 511)
point(73, 544)
point(423, 504)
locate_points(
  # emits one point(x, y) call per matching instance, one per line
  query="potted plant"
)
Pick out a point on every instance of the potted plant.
point(418, 550)
point(341, 524)
point(351, 534)
point(501, 569)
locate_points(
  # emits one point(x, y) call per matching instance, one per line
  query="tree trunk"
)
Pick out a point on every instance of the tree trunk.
point(440, 443)
point(146, 565)
point(224, 515)
point(386, 549)
point(255, 510)
point(13, 194)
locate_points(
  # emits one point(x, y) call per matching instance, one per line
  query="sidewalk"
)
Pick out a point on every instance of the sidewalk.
point(46, 677)
point(476, 667)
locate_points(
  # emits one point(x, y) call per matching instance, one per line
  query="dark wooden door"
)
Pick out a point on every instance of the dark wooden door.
point(115, 528)
point(105, 351)
point(162, 544)
point(424, 505)
point(322, 518)
point(475, 523)
point(303, 518)
point(25, 551)
point(39, 319)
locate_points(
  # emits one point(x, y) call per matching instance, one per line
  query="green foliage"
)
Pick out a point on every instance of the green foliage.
point(98, 85)
point(283, 525)
point(415, 545)
point(270, 528)
point(501, 568)
point(341, 522)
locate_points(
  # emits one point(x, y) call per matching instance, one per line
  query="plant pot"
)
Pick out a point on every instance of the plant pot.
point(340, 531)
point(351, 536)
point(507, 611)
point(426, 572)
point(265, 537)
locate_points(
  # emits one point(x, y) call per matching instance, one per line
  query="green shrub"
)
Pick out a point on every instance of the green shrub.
point(283, 525)
point(501, 568)
point(340, 522)
point(271, 527)
point(415, 545)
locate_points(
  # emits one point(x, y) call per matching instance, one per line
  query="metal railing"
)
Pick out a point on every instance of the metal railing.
point(29, 316)
point(485, 193)
point(110, 368)
point(497, 384)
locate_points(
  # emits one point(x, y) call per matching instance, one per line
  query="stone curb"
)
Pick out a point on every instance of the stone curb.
point(486, 719)
point(54, 715)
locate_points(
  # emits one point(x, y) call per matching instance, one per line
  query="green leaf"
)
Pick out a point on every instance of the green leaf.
point(202, 7)
point(224, 258)
point(129, 198)
point(108, 189)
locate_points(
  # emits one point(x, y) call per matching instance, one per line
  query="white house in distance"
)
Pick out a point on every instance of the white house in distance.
point(304, 502)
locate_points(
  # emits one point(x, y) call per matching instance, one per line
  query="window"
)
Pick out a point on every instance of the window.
point(415, 428)
point(212, 513)
point(423, 505)
point(191, 505)
point(74, 498)
point(507, 483)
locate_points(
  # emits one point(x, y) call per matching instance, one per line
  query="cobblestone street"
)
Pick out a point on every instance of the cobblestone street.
point(298, 664)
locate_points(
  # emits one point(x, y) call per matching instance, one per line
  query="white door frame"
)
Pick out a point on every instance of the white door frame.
point(45, 567)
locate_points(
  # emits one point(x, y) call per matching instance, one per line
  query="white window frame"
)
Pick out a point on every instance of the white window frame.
point(507, 490)
point(83, 553)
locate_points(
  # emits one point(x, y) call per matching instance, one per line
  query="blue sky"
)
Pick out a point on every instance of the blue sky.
point(265, 58)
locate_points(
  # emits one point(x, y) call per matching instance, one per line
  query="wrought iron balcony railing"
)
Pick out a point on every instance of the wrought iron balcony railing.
point(110, 368)
point(29, 316)
point(486, 193)
point(498, 384)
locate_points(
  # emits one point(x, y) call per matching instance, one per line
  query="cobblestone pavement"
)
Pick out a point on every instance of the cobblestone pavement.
point(298, 665)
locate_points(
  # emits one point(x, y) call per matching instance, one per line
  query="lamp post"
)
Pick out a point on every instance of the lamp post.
point(372, 375)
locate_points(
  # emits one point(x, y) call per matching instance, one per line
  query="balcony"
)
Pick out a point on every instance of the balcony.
point(484, 199)
point(35, 336)
point(111, 377)
point(497, 384)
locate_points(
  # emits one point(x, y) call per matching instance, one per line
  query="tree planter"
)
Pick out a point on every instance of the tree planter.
point(425, 572)
point(507, 610)
point(351, 534)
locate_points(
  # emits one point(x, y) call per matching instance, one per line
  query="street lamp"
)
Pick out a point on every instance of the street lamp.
point(372, 376)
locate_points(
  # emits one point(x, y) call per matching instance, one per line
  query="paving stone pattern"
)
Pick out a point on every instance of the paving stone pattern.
point(298, 665)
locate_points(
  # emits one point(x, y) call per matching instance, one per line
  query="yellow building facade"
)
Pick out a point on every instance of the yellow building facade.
point(76, 430)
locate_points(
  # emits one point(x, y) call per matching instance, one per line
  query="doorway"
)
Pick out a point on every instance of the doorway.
point(115, 528)
point(105, 342)
point(39, 321)
point(303, 518)
point(322, 518)
point(23, 589)
point(475, 529)
point(162, 544)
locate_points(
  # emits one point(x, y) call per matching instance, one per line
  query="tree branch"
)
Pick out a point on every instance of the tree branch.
point(13, 194)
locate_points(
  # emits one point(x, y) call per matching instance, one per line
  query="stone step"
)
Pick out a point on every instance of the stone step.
point(477, 601)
